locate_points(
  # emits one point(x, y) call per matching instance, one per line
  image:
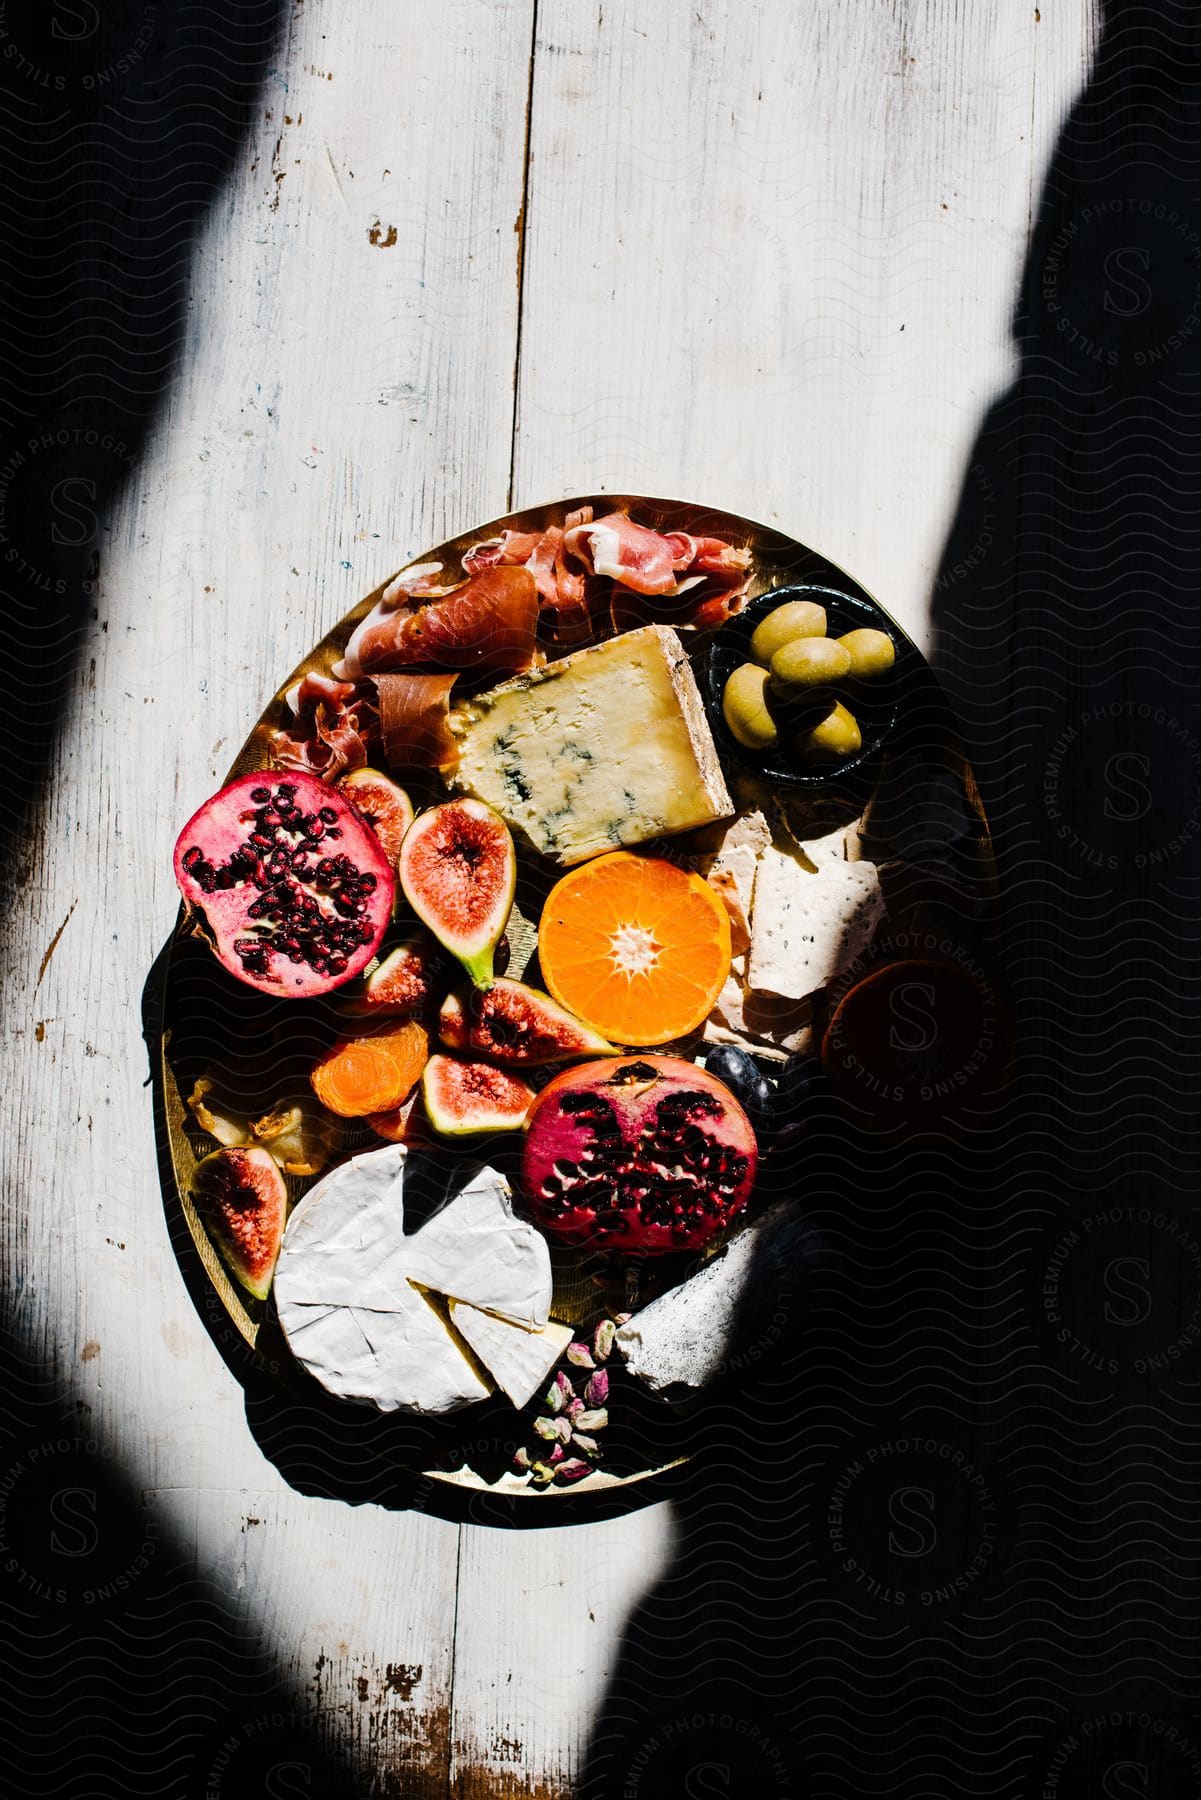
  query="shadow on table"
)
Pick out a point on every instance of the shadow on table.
point(911, 1563)
point(129, 1670)
point(121, 122)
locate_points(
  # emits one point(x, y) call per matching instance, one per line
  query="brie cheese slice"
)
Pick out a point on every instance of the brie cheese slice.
point(475, 1250)
point(519, 1361)
point(399, 1358)
point(352, 1288)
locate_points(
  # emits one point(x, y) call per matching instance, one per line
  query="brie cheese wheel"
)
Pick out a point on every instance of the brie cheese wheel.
point(686, 1337)
point(357, 1296)
point(518, 1360)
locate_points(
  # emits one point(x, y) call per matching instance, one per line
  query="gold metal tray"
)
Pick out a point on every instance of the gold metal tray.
point(195, 1019)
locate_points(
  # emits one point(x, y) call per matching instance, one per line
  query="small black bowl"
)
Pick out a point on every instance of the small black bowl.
point(875, 704)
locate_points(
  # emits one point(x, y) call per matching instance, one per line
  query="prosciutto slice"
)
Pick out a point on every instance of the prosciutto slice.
point(635, 556)
point(336, 726)
point(414, 715)
point(486, 626)
point(425, 581)
point(560, 576)
point(512, 549)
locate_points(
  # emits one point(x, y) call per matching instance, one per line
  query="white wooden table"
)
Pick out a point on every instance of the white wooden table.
point(476, 254)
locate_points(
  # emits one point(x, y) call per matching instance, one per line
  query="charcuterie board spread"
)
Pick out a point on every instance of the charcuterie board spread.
point(503, 994)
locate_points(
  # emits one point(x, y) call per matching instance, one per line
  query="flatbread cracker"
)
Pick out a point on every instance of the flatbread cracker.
point(806, 926)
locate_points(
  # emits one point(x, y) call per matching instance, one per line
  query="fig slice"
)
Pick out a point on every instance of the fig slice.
point(463, 1099)
point(516, 1025)
point(241, 1197)
point(458, 870)
point(406, 978)
point(385, 806)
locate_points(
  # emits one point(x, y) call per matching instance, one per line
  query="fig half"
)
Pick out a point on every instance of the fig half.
point(241, 1197)
point(465, 1099)
point(515, 1024)
point(385, 806)
point(458, 870)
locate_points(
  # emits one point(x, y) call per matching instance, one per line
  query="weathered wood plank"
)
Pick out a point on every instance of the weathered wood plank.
point(770, 260)
point(540, 1617)
point(791, 238)
point(344, 395)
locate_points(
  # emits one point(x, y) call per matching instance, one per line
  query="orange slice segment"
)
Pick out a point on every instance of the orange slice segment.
point(635, 947)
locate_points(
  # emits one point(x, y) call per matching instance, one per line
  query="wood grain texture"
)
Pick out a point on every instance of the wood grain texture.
point(344, 395)
point(791, 236)
point(770, 254)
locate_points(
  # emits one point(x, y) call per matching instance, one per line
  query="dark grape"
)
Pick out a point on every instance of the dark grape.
point(733, 1066)
point(753, 1090)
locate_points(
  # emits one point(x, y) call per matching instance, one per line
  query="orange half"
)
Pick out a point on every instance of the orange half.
point(634, 946)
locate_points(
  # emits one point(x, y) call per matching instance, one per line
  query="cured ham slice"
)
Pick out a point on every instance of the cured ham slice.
point(713, 556)
point(423, 582)
point(667, 576)
point(336, 725)
point(635, 556)
point(414, 715)
point(305, 695)
point(512, 549)
point(597, 576)
point(487, 626)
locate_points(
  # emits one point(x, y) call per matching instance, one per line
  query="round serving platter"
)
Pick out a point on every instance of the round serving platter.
point(941, 889)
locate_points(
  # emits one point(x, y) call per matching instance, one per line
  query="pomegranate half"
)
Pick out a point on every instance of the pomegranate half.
point(293, 885)
point(639, 1153)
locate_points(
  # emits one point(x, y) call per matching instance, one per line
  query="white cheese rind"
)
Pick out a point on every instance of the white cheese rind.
point(400, 1358)
point(519, 1361)
point(348, 1285)
point(475, 1250)
point(682, 1340)
point(606, 748)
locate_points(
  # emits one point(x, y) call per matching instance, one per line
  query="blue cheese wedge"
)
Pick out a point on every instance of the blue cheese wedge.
point(519, 1361)
point(361, 1301)
point(606, 748)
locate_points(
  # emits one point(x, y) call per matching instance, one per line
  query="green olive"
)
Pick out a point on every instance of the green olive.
point(795, 619)
point(808, 663)
point(744, 704)
point(871, 652)
point(832, 739)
